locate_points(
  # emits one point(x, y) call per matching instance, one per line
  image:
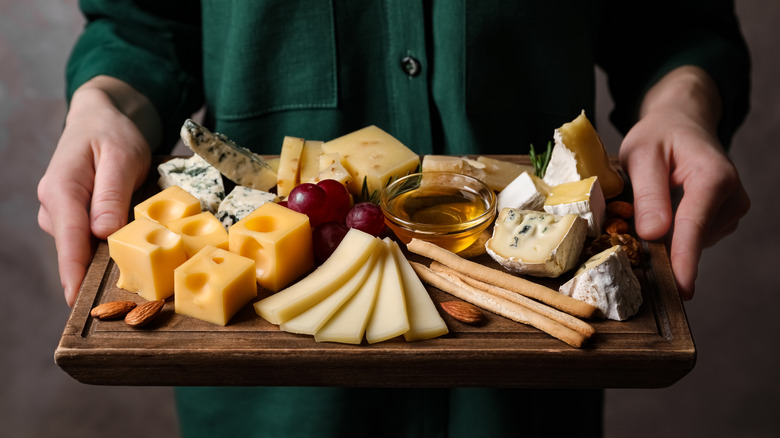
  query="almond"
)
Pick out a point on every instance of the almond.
point(463, 311)
point(144, 314)
point(112, 310)
point(621, 209)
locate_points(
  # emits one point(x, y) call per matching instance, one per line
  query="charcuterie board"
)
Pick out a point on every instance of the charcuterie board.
point(652, 349)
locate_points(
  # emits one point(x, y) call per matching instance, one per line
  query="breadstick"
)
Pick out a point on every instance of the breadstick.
point(503, 279)
point(454, 286)
point(543, 309)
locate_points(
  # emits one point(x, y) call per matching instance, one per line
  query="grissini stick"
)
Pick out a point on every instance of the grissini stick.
point(454, 286)
point(562, 317)
point(503, 279)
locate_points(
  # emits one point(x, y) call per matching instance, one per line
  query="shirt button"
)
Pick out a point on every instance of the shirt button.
point(411, 66)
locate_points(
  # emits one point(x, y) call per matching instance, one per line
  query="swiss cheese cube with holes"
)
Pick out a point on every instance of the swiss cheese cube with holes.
point(278, 240)
point(168, 205)
point(146, 254)
point(200, 230)
point(214, 285)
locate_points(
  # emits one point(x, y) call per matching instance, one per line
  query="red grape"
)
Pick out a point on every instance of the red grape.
point(338, 200)
point(310, 200)
point(367, 217)
point(326, 237)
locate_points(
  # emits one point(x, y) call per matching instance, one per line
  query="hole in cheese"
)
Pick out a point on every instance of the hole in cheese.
point(195, 282)
point(163, 238)
point(217, 260)
point(262, 224)
point(166, 210)
point(254, 250)
point(200, 227)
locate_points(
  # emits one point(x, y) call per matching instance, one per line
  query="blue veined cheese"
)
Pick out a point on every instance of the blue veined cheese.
point(536, 243)
point(608, 282)
point(197, 177)
point(240, 203)
point(238, 164)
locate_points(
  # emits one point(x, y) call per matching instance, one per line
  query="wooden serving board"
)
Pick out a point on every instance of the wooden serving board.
point(652, 349)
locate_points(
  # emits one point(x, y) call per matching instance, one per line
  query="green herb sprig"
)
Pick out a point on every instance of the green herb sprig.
point(540, 161)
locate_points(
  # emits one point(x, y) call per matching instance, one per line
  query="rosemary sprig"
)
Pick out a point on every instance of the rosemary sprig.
point(540, 161)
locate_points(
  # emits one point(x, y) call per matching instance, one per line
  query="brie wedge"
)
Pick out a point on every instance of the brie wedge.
point(536, 243)
point(526, 192)
point(607, 281)
point(583, 198)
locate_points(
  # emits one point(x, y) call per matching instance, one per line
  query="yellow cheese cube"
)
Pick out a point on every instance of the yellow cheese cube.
point(287, 176)
point(310, 161)
point(373, 155)
point(278, 240)
point(214, 285)
point(146, 254)
point(200, 230)
point(167, 206)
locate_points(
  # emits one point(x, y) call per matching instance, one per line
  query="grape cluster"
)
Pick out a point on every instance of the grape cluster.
point(331, 214)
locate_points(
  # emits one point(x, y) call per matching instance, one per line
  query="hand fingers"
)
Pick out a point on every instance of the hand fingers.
point(111, 198)
point(648, 170)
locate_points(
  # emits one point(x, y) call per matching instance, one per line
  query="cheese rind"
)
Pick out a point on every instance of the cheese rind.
point(526, 192)
point(536, 243)
point(196, 176)
point(608, 282)
point(240, 202)
point(583, 198)
point(389, 318)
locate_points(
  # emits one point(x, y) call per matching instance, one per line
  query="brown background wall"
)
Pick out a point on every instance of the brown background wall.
point(733, 390)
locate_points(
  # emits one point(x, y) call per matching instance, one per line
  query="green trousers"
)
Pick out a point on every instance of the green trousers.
point(368, 412)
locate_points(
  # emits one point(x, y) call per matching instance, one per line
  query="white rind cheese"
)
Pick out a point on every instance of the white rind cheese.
point(240, 203)
point(583, 198)
point(526, 192)
point(562, 167)
point(197, 177)
point(238, 164)
point(607, 282)
point(536, 243)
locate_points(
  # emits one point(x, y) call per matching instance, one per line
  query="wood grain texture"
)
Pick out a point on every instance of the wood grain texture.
point(652, 349)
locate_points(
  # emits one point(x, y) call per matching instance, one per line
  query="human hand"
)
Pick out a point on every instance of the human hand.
point(100, 159)
point(674, 146)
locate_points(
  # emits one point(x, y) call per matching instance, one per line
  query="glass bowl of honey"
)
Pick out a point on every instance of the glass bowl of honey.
point(448, 209)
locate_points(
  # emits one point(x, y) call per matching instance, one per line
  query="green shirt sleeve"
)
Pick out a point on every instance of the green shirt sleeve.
point(640, 42)
point(154, 46)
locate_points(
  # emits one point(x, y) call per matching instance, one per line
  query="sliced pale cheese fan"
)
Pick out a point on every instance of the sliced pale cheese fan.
point(346, 260)
point(583, 198)
point(196, 176)
point(526, 192)
point(499, 173)
point(389, 318)
point(607, 281)
point(287, 177)
point(536, 243)
point(373, 155)
point(578, 154)
point(238, 164)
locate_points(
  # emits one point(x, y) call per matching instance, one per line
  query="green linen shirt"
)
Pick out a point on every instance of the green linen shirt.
point(443, 76)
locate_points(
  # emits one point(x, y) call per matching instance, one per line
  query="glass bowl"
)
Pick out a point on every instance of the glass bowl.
point(445, 208)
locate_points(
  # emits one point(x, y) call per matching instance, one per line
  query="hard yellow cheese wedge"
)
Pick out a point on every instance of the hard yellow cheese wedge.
point(287, 176)
point(310, 161)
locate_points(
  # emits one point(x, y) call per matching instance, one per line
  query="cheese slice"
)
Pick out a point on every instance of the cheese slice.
point(608, 282)
point(289, 165)
point(446, 163)
point(310, 161)
point(389, 318)
point(238, 164)
point(583, 198)
point(536, 243)
point(331, 168)
point(424, 320)
point(312, 319)
point(578, 154)
point(346, 260)
point(348, 325)
point(499, 173)
point(526, 192)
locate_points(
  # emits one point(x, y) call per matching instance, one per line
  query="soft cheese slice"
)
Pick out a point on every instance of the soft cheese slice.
point(583, 198)
point(313, 318)
point(389, 318)
point(526, 192)
point(240, 203)
point(238, 164)
point(373, 155)
point(346, 260)
point(607, 281)
point(536, 243)
point(348, 325)
point(424, 320)
point(310, 161)
point(196, 176)
point(287, 177)
point(579, 154)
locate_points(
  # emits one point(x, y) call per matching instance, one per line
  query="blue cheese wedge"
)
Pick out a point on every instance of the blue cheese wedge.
point(536, 243)
point(607, 281)
point(238, 164)
point(196, 176)
point(240, 203)
point(583, 198)
point(526, 192)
